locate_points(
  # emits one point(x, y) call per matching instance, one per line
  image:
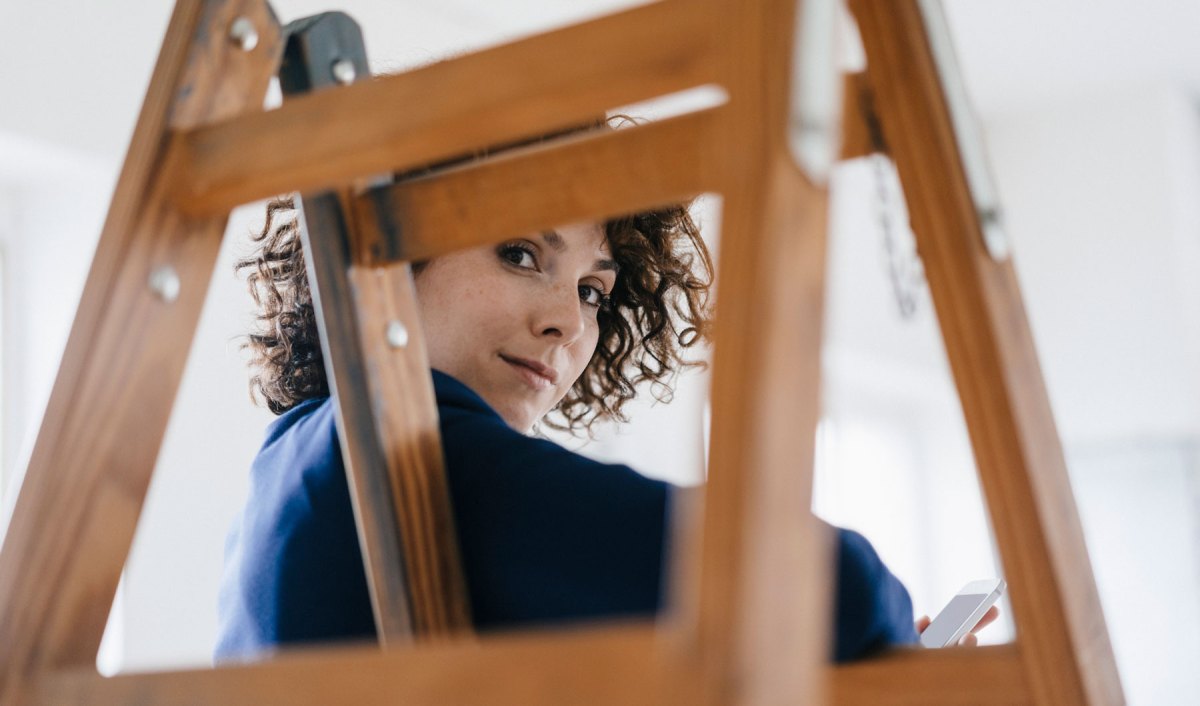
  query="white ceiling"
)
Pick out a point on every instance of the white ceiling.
point(1018, 54)
point(74, 72)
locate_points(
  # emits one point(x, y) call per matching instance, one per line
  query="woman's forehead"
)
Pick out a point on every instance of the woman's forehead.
point(587, 237)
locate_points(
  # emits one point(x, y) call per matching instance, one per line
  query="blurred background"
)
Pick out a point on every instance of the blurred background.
point(1091, 115)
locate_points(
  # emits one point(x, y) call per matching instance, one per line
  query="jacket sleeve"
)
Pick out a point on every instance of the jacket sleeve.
point(873, 609)
point(293, 568)
point(549, 535)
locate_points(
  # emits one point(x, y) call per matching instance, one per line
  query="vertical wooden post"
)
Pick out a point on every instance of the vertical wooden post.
point(379, 375)
point(99, 440)
point(763, 606)
point(1060, 626)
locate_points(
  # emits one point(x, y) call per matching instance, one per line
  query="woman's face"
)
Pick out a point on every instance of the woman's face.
point(517, 322)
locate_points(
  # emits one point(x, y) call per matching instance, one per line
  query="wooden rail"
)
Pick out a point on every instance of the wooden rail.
point(596, 175)
point(501, 95)
point(94, 455)
point(1060, 625)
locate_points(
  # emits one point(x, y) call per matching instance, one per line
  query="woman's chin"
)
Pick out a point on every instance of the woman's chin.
point(516, 416)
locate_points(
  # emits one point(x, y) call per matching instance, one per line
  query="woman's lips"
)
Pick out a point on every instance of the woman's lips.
point(537, 375)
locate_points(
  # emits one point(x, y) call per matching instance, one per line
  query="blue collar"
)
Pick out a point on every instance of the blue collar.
point(447, 389)
point(452, 393)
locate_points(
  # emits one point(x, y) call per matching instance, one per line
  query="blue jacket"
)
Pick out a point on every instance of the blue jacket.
point(545, 535)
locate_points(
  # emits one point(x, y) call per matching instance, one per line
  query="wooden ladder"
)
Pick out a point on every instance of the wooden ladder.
point(748, 615)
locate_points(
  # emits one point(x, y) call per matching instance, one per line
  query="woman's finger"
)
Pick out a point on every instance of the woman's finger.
point(988, 618)
point(922, 623)
point(969, 640)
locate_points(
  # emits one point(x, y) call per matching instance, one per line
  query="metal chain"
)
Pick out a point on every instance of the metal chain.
point(904, 266)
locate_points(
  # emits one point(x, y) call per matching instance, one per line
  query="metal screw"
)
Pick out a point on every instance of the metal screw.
point(397, 334)
point(344, 71)
point(165, 283)
point(243, 34)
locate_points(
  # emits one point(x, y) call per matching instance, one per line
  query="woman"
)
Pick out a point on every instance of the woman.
point(566, 323)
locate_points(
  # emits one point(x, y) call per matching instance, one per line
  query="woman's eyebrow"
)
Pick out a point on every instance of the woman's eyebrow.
point(554, 240)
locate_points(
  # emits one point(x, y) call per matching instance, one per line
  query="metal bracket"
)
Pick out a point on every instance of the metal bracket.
point(320, 52)
point(966, 132)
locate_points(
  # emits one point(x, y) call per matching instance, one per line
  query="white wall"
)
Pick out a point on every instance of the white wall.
point(1103, 196)
point(52, 202)
point(200, 481)
point(52, 222)
point(1102, 199)
point(894, 461)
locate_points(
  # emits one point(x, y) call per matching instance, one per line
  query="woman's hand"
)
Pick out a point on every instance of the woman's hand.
point(968, 640)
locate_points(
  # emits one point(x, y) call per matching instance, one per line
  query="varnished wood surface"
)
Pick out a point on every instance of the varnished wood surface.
point(404, 409)
point(327, 260)
point(1060, 626)
point(608, 665)
point(982, 676)
point(571, 665)
point(595, 175)
point(383, 398)
point(859, 119)
point(496, 96)
point(87, 477)
point(759, 612)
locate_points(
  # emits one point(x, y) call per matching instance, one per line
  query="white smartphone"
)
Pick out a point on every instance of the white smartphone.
point(962, 613)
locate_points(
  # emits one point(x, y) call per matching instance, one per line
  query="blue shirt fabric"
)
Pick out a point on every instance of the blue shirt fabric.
point(545, 535)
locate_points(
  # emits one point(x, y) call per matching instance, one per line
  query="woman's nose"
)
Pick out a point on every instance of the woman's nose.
point(561, 314)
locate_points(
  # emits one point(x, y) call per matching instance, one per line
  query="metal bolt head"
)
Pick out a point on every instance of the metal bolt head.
point(243, 34)
point(344, 71)
point(397, 334)
point(164, 282)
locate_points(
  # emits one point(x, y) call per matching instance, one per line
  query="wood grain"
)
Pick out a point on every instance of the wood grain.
point(87, 477)
point(400, 393)
point(860, 121)
point(512, 92)
point(384, 405)
point(601, 665)
point(388, 425)
point(326, 257)
point(761, 616)
point(602, 174)
point(1060, 626)
point(982, 676)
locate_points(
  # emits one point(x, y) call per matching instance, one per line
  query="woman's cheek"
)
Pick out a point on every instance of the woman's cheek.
point(585, 351)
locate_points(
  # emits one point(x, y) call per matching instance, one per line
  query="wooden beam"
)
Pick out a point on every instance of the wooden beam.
point(1060, 624)
point(860, 124)
point(594, 175)
point(404, 412)
point(496, 96)
point(622, 664)
point(384, 403)
point(95, 452)
point(759, 603)
point(982, 676)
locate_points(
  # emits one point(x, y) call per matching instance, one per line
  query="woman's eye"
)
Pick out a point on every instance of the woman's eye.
point(518, 256)
point(592, 296)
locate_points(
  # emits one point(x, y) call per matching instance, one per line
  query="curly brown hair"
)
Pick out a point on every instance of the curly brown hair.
point(659, 307)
